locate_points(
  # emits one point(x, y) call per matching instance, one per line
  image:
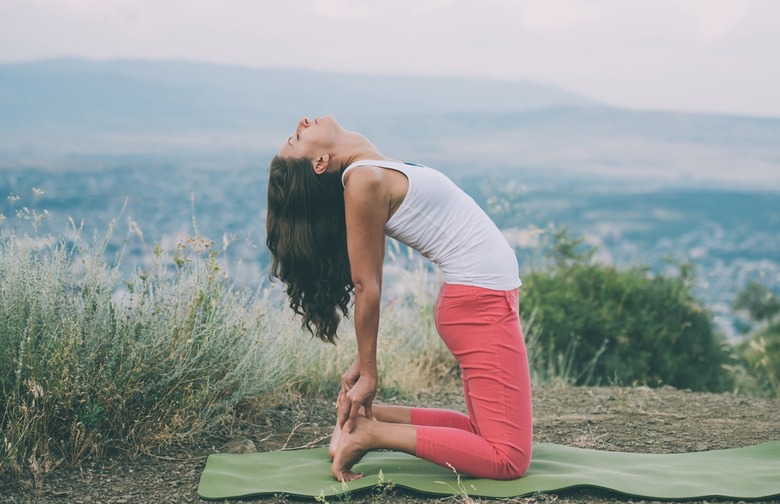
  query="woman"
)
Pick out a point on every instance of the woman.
point(332, 198)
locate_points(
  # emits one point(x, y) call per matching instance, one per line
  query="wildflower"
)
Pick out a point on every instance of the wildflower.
point(35, 388)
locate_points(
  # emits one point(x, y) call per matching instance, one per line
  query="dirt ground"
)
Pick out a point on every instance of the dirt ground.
point(620, 419)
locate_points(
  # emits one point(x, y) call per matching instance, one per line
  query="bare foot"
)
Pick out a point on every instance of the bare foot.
point(351, 448)
point(334, 441)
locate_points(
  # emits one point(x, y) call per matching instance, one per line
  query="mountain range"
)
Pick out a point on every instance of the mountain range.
point(67, 113)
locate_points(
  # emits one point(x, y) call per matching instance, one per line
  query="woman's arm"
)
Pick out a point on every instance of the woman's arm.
point(367, 202)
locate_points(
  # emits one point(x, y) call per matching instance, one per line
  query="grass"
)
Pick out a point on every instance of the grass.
point(89, 361)
point(93, 360)
point(755, 363)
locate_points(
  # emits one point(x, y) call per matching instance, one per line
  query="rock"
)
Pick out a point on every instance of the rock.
point(239, 445)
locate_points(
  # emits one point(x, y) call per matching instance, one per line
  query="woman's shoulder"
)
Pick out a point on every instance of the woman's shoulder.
point(363, 174)
point(367, 183)
point(375, 185)
point(371, 170)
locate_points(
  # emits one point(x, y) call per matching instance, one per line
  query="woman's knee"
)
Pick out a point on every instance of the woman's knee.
point(516, 463)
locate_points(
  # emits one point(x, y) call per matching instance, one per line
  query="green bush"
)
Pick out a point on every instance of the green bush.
point(759, 302)
point(622, 326)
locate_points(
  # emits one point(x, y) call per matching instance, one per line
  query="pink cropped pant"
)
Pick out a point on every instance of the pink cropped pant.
point(481, 327)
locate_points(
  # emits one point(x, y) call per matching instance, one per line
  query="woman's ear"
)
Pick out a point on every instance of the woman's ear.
point(321, 164)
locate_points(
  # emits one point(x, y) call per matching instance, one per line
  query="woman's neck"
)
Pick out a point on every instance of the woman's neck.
point(358, 149)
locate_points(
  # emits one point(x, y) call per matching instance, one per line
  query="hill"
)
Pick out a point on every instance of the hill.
point(68, 112)
point(187, 95)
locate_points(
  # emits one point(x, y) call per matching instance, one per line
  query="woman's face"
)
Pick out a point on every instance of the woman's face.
point(312, 138)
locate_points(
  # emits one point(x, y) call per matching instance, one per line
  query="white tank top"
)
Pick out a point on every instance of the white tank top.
point(445, 225)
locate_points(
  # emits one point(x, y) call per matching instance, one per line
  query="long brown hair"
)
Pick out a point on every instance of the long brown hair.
point(307, 236)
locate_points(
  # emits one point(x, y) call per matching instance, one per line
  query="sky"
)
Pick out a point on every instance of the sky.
point(712, 56)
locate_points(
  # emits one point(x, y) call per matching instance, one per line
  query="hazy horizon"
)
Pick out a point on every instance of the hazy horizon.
point(77, 113)
point(711, 56)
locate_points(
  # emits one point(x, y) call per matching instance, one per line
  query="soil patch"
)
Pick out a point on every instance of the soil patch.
point(620, 419)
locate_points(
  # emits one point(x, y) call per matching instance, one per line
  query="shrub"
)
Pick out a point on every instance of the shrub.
point(622, 326)
point(85, 366)
point(762, 304)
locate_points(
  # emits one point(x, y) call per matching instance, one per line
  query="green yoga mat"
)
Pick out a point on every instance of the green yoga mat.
point(742, 473)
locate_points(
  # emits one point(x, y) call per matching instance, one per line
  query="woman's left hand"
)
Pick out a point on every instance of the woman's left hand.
point(348, 380)
point(362, 393)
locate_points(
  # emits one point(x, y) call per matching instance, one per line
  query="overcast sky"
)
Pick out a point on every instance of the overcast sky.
point(716, 56)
